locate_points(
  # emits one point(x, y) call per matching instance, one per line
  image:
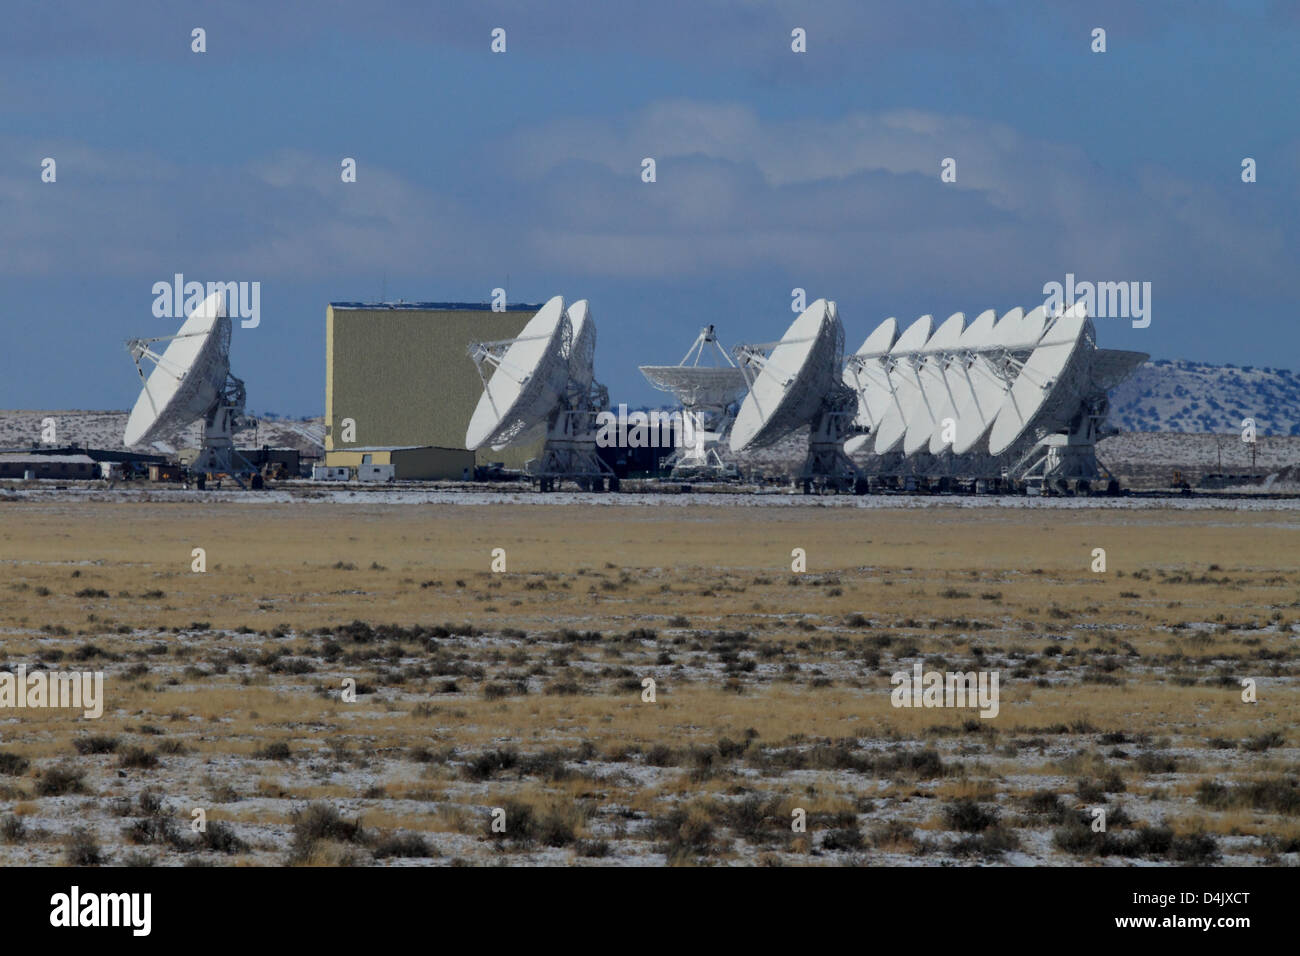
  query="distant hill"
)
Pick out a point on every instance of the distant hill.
point(1193, 397)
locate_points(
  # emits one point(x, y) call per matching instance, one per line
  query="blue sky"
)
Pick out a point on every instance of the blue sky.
point(775, 170)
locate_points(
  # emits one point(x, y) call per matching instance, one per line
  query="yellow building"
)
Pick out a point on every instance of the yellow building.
point(401, 373)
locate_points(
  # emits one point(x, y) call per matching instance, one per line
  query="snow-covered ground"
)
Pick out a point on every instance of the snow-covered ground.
point(416, 493)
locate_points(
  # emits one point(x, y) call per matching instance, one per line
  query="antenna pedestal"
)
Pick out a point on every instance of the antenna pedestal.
point(1069, 455)
point(570, 454)
point(826, 465)
point(701, 459)
point(570, 450)
point(217, 452)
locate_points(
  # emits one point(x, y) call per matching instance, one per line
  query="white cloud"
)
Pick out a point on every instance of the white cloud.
point(862, 192)
point(856, 197)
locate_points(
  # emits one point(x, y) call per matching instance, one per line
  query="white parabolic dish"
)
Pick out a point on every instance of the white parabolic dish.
point(990, 389)
point(700, 386)
point(906, 391)
point(527, 383)
point(790, 387)
point(1007, 332)
point(976, 392)
point(1043, 373)
point(696, 385)
point(188, 377)
point(1032, 327)
point(582, 354)
point(925, 417)
point(1110, 367)
point(870, 381)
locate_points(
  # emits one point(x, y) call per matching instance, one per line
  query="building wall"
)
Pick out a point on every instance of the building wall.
point(433, 463)
point(413, 464)
point(405, 376)
point(46, 466)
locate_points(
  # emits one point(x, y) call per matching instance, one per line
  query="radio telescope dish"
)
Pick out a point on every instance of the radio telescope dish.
point(787, 390)
point(987, 378)
point(697, 385)
point(1032, 327)
point(797, 384)
point(708, 394)
point(1045, 376)
point(991, 371)
point(544, 381)
point(978, 332)
point(1007, 332)
point(867, 373)
point(190, 382)
point(582, 368)
point(186, 376)
point(1110, 367)
point(1025, 404)
point(975, 392)
point(530, 373)
point(935, 357)
point(582, 354)
point(904, 388)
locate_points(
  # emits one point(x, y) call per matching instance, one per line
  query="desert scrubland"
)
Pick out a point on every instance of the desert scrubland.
point(518, 696)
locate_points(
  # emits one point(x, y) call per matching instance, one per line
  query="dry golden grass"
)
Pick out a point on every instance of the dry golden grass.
point(1149, 652)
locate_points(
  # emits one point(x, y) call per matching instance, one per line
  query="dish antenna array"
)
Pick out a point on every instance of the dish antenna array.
point(543, 383)
point(796, 382)
point(190, 382)
point(1022, 397)
point(708, 395)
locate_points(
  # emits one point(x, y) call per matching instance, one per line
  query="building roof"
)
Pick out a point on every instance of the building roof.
point(26, 458)
point(350, 449)
point(97, 454)
point(435, 306)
